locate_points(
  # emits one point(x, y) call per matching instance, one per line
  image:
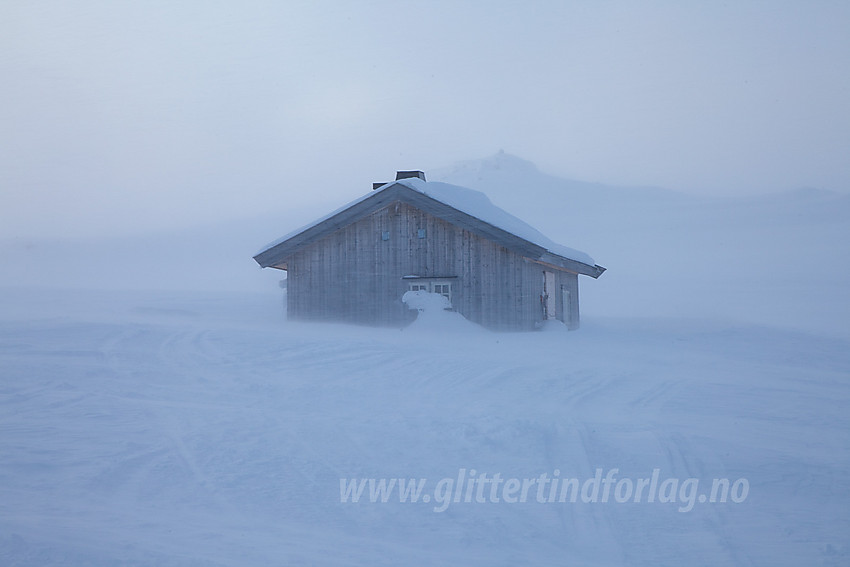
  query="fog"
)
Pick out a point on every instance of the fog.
point(158, 408)
point(124, 119)
point(777, 259)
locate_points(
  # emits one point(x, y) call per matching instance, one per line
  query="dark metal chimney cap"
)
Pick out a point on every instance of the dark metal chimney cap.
point(378, 184)
point(409, 175)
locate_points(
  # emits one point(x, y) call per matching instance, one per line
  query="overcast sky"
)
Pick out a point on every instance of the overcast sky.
point(120, 116)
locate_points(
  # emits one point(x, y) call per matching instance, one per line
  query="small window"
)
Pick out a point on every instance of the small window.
point(444, 289)
point(421, 233)
point(441, 287)
point(385, 235)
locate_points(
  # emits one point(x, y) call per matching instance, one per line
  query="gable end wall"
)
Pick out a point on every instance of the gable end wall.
point(354, 276)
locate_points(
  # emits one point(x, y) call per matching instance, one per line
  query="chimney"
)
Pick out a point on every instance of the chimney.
point(378, 185)
point(409, 175)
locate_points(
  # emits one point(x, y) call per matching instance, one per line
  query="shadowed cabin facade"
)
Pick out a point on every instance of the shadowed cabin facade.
point(356, 264)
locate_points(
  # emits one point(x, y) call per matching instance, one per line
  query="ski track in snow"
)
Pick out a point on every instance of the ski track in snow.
point(153, 429)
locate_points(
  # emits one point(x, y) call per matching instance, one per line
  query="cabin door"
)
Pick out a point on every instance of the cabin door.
point(565, 305)
point(549, 295)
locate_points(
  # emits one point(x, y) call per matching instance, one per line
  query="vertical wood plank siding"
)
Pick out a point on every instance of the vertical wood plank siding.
point(355, 276)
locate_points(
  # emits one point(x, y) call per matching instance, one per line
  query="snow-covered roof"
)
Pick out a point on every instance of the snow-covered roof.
point(468, 201)
point(478, 205)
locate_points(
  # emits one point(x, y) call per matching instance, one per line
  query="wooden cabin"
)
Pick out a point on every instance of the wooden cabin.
point(355, 264)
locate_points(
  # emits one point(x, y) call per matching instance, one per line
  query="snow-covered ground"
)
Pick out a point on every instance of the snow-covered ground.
point(156, 427)
point(186, 429)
